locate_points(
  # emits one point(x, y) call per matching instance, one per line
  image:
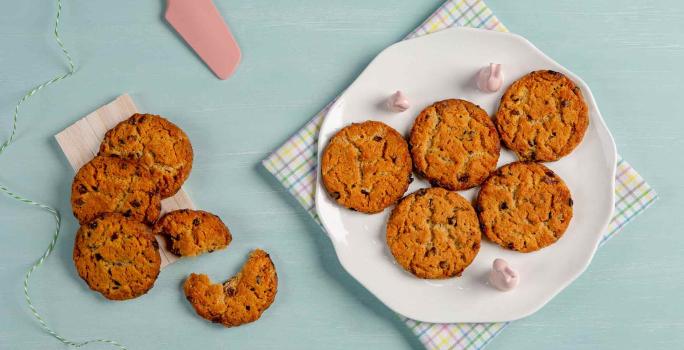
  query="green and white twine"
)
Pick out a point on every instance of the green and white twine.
point(55, 214)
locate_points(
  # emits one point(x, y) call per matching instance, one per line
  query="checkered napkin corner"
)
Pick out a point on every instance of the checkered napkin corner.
point(294, 165)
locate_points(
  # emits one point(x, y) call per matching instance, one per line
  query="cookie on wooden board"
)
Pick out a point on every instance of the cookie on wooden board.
point(524, 206)
point(366, 166)
point(454, 144)
point(242, 299)
point(193, 232)
point(155, 142)
point(542, 116)
point(117, 256)
point(111, 184)
point(434, 233)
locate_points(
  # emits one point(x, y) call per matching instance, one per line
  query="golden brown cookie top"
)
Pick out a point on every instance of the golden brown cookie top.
point(158, 144)
point(241, 299)
point(434, 233)
point(193, 232)
point(117, 256)
point(366, 166)
point(454, 144)
point(524, 206)
point(542, 116)
point(111, 184)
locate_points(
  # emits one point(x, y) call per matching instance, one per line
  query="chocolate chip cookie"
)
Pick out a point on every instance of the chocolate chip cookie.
point(542, 116)
point(241, 299)
point(454, 144)
point(524, 206)
point(366, 167)
point(434, 233)
point(155, 142)
point(114, 185)
point(193, 232)
point(117, 256)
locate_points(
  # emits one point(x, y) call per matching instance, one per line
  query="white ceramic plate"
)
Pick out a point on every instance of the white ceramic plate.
point(439, 66)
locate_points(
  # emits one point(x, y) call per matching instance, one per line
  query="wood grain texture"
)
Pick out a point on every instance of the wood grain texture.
point(80, 142)
point(297, 56)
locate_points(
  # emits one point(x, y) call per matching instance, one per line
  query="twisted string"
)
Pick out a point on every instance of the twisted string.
point(55, 214)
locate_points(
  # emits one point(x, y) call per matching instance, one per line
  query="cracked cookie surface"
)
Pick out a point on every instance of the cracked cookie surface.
point(193, 232)
point(542, 116)
point(524, 206)
point(434, 233)
point(454, 144)
point(114, 185)
point(155, 142)
point(241, 299)
point(366, 166)
point(117, 256)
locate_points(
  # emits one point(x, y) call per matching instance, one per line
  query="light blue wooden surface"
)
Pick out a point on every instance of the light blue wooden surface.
point(297, 56)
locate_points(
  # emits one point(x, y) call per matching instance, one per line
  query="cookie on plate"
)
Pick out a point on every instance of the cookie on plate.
point(524, 206)
point(158, 144)
point(111, 184)
point(366, 167)
point(542, 116)
point(117, 256)
point(193, 232)
point(454, 144)
point(241, 299)
point(434, 233)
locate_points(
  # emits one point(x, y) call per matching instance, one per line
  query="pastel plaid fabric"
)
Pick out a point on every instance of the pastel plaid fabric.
point(294, 165)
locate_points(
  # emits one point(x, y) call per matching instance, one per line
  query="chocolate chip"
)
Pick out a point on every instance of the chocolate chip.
point(132, 121)
point(550, 173)
point(552, 72)
point(122, 141)
point(511, 246)
point(258, 279)
point(564, 103)
point(79, 202)
point(503, 206)
point(452, 221)
point(377, 138)
point(116, 283)
point(515, 99)
point(195, 222)
point(443, 264)
point(364, 192)
point(335, 195)
point(230, 291)
point(135, 203)
point(570, 202)
point(216, 319)
point(127, 213)
point(247, 307)
point(515, 112)
point(529, 117)
point(93, 224)
point(476, 245)
point(98, 257)
point(463, 178)
point(82, 189)
point(114, 236)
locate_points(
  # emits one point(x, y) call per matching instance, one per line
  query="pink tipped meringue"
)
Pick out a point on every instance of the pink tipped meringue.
point(503, 277)
point(490, 79)
point(398, 102)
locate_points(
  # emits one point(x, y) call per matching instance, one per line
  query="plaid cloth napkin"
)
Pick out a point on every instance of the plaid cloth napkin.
point(294, 165)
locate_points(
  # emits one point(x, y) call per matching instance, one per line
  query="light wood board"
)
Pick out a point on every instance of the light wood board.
point(80, 143)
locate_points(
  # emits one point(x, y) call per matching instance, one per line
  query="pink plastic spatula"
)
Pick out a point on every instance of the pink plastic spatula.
point(202, 27)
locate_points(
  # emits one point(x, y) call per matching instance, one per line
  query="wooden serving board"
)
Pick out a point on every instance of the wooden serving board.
point(80, 143)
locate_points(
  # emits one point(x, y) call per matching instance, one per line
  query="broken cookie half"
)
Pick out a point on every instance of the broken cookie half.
point(242, 299)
